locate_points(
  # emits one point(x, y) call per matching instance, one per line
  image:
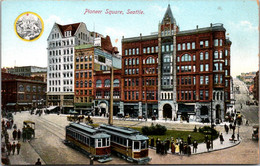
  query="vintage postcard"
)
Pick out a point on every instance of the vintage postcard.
point(129, 82)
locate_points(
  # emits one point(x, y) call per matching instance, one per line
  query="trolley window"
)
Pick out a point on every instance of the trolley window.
point(99, 142)
point(129, 143)
point(104, 142)
point(136, 145)
point(108, 141)
point(92, 142)
point(143, 145)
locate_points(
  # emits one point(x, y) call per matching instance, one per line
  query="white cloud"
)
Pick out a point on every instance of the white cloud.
point(248, 25)
point(115, 35)
point(53, 18)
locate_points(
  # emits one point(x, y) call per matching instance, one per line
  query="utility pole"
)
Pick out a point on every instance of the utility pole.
point(211, 124)
point(110, 119)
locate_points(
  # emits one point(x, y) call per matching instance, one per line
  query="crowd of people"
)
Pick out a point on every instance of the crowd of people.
point(15, 146)
point(178, 146)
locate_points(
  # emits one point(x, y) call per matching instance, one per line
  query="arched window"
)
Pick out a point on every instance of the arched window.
point(116, 83)
point(21, 88)
point(126, 62)
point(149, 60)
point(217, 96)
point(107, 83)
point(186, 58)
point(90, 83)
point(167, 58)
point(86, 84)
point(98, 83)
point(129, 61)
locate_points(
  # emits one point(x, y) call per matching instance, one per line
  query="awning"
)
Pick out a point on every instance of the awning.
point(24, 103)
point(52, 107)
point(10, 104)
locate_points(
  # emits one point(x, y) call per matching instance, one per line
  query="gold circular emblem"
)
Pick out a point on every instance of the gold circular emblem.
point(28, 26)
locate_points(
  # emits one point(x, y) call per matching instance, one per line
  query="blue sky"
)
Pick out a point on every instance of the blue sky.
point(240, 18)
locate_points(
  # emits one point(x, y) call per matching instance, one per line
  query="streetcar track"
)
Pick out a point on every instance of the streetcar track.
point(44, 126)
point(37, 152)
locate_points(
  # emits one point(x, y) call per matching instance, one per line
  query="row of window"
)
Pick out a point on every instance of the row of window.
point(131, 71)
point(131, 82)
point(61, 43)
point(106, 94)
point(30, 97)
point(84, 75)
point(86, 66)
point(132, 61)
point(186, 46)
point(134, 95)
point(86, 92)
point(86, 84)
point(107, 83)
point(84, 59)
point(150, 70)
point(166, 95)
point(147, 50)
point(186, 80)
point(83, 99)
point(31, 88)
point(55, 35)
point(58, 52)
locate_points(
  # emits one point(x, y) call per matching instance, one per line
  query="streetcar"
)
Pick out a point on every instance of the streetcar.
point(128, 143)
point(89, 140)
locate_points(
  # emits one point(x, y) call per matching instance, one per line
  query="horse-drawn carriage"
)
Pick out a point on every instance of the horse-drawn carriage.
point(28, 129)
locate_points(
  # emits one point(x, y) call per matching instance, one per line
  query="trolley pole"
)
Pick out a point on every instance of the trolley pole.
point(110, 119)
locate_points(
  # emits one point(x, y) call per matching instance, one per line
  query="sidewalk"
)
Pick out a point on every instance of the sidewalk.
point(216, 145)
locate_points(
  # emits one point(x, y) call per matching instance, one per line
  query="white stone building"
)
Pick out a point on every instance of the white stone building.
point(60, 70)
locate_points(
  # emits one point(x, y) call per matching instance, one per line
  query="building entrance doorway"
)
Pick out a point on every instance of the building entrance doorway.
point(167, 111)
point(218, 111)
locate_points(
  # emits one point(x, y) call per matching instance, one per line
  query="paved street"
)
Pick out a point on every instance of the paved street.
point(49, 147)
point(251, 112)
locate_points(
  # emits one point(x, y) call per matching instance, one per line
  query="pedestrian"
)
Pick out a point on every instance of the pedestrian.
point(233, 137)
point(18, 146)
point(157, 146)
point(226, 128)
point(38, 162)
point(13, 147)
point(24, 136)
point(195, 146)
point(152, 142)
point(208, 145)
point(185, 148)
point(181, 147)
point(221, 138)
point(188, 150)
point(14, 134)
point(230, 126)
point(177, 149)
point(162, 148)
point(9, 148)
point(167, 144)
point(18, 134)
point(166, 147)
point(15, 127)
point(189, 140)
point(172, 147)
point(206, 138)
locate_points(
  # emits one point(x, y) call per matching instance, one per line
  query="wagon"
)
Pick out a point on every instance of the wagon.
point(29, 129)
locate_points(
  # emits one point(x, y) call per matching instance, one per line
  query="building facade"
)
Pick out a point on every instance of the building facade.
point(22, 93)
point(26, 70)
point(60, 71)
point(102, 89)
point(90, 59)
point(256, 86)
point(192, 68)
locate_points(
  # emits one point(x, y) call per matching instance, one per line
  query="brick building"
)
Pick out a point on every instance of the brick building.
point(88, 60)
point(102, 89)
point(256, 86)
point(177, 74)
point(22, 93)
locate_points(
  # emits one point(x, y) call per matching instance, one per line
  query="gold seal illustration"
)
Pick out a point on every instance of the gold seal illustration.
point(29, 26)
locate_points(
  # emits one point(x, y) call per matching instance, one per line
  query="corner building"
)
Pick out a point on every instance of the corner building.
point(183, 74)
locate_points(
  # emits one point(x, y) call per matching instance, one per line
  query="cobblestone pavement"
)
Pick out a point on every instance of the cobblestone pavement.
point(50, 132)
